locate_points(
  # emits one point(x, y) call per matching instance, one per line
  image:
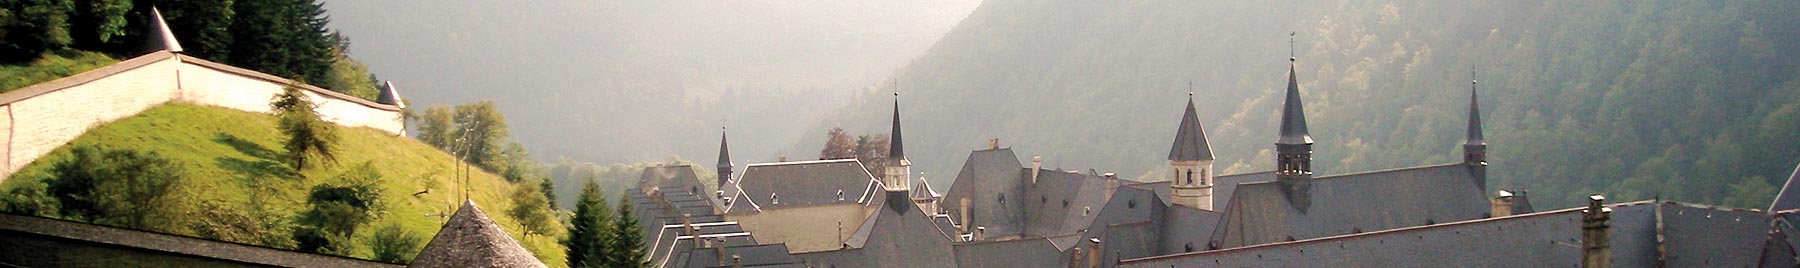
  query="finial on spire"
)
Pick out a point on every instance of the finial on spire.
point(1291, 57)
point(1190, 88)
point(1472, 80)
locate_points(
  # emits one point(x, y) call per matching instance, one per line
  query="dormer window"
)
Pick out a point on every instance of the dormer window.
point(774, 200)
point(1002, 199)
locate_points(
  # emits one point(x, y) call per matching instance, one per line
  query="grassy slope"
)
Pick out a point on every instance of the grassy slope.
point(228, 156)
point(50, 66)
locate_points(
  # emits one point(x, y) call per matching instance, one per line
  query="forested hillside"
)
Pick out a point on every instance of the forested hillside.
point(1684, 100)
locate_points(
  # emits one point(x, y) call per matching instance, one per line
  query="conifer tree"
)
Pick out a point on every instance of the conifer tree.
point(627, 247)
point(308, 136)
point(590, 229)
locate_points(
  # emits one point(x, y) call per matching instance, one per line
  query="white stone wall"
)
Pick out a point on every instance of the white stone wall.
point(37, 119)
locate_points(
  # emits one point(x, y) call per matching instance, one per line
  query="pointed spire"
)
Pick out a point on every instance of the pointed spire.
point(1474, 113)
point(896, 153)
point(724, 150)
point(390, 95)
point(1190, 138)
point(1293, 114)
point(161, 38)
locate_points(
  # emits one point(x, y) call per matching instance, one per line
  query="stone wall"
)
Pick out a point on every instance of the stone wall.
point(37, 119)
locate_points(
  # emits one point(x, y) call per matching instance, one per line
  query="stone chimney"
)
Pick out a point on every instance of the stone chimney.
point(737, 261)
point(1075, 258)
point(1596, 248)
point(1501, 206)
point(993, 143)
point(1093, 257)
point(1037, 163)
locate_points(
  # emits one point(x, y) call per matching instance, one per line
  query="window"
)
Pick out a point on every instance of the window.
point(1190, 176)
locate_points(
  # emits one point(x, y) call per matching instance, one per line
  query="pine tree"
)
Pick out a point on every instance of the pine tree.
point(308, 136)
point(627, 247)
point(590, 229)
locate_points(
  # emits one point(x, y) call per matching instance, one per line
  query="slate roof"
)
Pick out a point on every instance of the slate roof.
point(724, 150)
point(1789, 198)
point(1190, 138)
point(987, 176)
point(896, 235)
point(896, 153)
point(1259, 213)
point(1474, 118)
point(771, 255)
point(674, 178)
point(1062, 202)
point(471, 239)
point(1036, 252)
point(1131, 225)
point(1293, 114)
point(802, 184)
point(1690, 236)
point(94, 239)
point(923, 190)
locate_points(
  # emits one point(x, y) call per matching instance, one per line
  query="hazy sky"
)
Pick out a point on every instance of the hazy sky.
point(626, 81)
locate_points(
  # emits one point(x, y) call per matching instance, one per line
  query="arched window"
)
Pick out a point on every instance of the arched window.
point(1190, 177)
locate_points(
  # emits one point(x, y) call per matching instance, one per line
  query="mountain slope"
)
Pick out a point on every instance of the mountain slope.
point(229, 159)
point(1637, 99)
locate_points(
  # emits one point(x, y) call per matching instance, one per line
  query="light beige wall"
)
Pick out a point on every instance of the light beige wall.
point(804, 229)
point(39, 118)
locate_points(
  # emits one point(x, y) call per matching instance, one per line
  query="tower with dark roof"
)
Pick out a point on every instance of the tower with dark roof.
point(724, 160)
point(1293, 159)
point(160, 37)
point(898, 168)
point(1474, 148)
point(1191, 163)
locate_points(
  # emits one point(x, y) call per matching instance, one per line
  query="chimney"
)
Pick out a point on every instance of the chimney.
point(1501, 206)
point(1596, 248)
point(980, 232)
point(737, 261)
point(965, 214)
point(1093, 258)
point(1037, 163)
point(781, 158)
point(993, 143)
point(1075, 258)
point(687, 226)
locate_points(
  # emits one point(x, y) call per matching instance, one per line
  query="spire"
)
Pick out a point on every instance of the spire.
point(1190, 138)
point(161, 38)
point(1475, 149)
point(724, 166)
point(1293, 114)
point(896, 153)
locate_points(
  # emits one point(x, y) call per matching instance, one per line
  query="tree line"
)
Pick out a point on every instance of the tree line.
point(286, 38)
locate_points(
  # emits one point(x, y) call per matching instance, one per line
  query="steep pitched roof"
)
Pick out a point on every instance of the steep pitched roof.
point(676, 178)
point(1789, 198)
point(724, 150)
point(1190, 138)
point(471, 239)
point(1293, 114)
point(923, 190)
point(988, 176)
point(1474, 118)
point(898, 237)
point(389, 95)
point(802, 184)
point(1259, 213)
point(896, 153)
point(161, 38)
point(1062, 202)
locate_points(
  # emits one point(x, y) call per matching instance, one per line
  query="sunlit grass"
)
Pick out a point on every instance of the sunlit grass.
point(231, 156)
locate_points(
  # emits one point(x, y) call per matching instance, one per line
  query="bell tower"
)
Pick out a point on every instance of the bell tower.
point(1293, 157)
point(1191, 163)
point(898, 168)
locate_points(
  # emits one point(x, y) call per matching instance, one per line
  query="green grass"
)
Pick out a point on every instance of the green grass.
point(230, 156)
point(50, 66)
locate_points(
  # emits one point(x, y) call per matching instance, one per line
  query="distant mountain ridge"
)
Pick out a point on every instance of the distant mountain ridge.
point(1671, 99)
